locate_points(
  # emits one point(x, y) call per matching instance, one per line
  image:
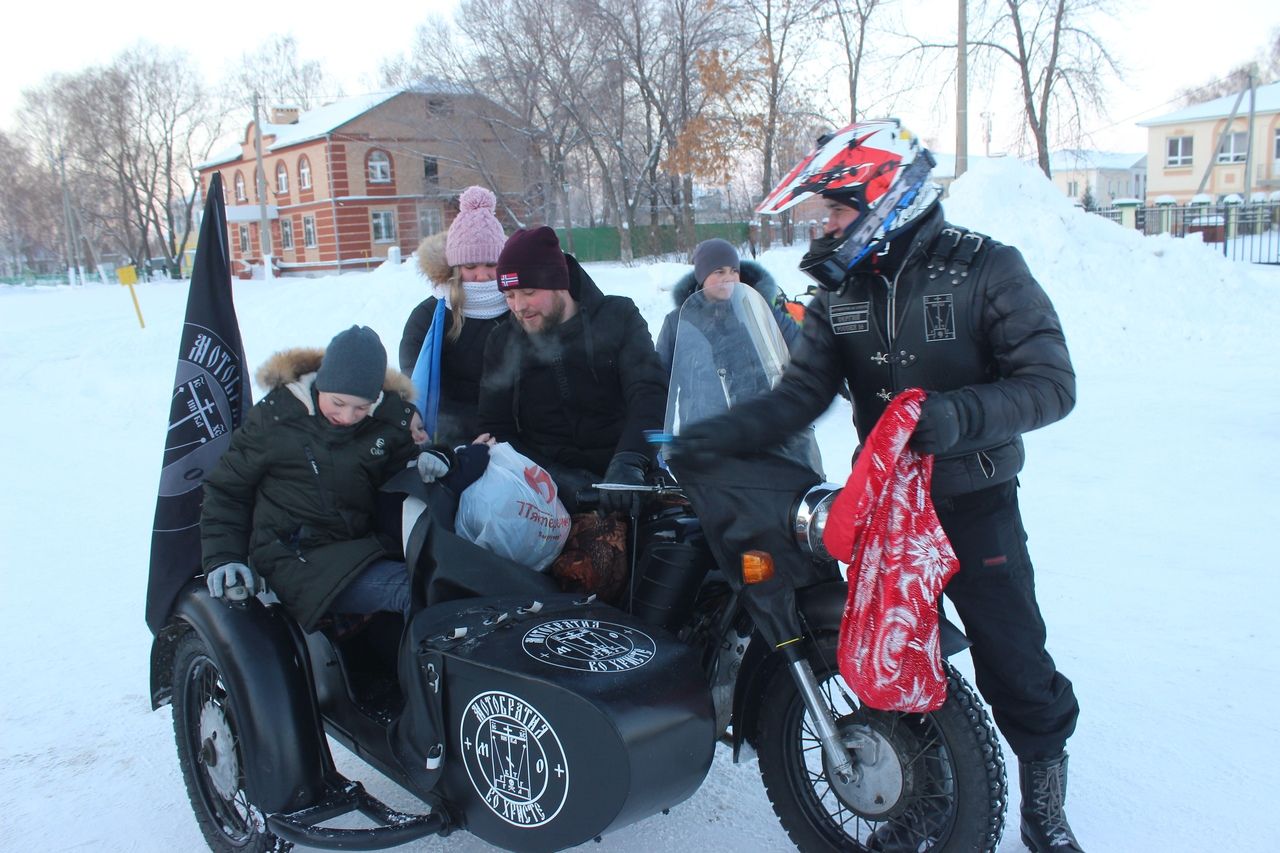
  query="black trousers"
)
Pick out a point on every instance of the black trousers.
point(995, 597)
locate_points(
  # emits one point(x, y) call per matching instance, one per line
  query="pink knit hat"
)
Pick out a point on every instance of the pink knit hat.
point(475, 237)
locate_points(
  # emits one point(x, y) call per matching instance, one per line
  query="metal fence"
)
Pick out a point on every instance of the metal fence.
point(1243, 232)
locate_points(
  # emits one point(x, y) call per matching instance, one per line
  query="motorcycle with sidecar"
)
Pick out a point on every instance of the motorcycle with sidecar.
point(537, 719)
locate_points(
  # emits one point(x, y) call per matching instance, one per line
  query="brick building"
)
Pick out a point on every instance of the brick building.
point(350, 180)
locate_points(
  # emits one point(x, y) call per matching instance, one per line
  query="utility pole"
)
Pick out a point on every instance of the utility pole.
point(986, 132)
point(264, 225)
point(1248, 144)
point(962, 90)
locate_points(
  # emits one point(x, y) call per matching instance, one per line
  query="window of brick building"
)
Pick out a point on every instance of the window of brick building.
point(239, 182)
point(304, 173)
point(309, 231)
point(286, 233)
point(430, 221)
point(384, 226)
point(282, 178)
point(379, 167)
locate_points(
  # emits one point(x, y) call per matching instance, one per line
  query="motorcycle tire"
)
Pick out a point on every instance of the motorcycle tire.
point(938, 782)
point(204, 727)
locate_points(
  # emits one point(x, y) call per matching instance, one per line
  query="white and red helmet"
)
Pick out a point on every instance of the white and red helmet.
point(876, 167)
point(858, 162)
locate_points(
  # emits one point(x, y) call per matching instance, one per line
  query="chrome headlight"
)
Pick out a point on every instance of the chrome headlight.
point(811, 518)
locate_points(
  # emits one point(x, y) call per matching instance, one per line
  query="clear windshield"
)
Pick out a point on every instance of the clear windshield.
point(728, 350)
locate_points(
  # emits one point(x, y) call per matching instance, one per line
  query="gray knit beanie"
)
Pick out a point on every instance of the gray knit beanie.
point(711, 255)
point(355, 363)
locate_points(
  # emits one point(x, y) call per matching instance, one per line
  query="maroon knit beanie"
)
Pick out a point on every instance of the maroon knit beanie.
point(532, 259)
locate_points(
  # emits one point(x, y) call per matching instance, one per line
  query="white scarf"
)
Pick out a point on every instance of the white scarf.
point(484, 300)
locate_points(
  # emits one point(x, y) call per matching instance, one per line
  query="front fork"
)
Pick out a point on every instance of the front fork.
point(838, 759)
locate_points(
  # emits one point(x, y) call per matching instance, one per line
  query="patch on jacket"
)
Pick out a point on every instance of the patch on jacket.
point(939, 318)
point(850, 317)
point(379, 447)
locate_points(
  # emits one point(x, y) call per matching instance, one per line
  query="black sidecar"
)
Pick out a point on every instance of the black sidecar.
point(534, 719)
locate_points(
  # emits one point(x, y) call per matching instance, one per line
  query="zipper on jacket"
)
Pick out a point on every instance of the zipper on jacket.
point(891, 310)
point(315, 469)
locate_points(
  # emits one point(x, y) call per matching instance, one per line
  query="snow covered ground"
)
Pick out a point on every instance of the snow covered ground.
point(1151, 511)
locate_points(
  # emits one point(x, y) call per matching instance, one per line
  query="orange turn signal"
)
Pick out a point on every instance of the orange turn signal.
point(757, 566)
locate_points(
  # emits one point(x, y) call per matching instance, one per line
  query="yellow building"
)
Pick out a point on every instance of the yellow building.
point(1183, 146)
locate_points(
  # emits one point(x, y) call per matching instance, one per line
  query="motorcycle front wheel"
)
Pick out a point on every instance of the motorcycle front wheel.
point(921, 782)
point(209, 752)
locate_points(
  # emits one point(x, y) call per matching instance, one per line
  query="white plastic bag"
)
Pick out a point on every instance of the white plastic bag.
point(513, 510)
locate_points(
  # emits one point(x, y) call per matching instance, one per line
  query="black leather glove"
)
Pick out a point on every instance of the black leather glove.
point(942, 422)
point(700, 446)
point(626, 468)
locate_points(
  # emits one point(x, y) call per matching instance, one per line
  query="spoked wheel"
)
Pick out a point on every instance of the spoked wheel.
point(921, 782)
point(209, 751)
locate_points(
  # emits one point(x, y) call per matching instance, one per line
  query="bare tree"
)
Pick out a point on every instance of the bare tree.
point(1061, 63)
point(127, 136)
point(492, 53)
point(1265, 68)
point(30, 210)
point(852, 23)
point(276, 72)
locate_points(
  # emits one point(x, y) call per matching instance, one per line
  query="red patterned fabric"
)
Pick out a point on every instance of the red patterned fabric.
point(884, 526)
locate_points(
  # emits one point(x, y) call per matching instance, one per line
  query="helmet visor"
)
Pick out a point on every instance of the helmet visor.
point(829, 259)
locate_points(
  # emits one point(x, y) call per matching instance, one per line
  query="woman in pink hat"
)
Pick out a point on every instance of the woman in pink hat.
point(462, 265)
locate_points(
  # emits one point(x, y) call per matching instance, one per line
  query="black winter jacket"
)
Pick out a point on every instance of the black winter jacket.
point(984, 333)
point(294, 496)
point(576, 395)
point(461, 363)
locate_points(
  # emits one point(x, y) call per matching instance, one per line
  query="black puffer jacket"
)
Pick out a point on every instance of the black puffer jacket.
point(461, 363)
point(990, 340)
point(297, 496)
point(578, 394)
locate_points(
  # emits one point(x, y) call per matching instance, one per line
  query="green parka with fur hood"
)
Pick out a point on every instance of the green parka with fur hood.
point(294, 496)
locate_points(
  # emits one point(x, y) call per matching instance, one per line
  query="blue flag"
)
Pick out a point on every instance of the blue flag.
point(211, 395)
point(426, 372)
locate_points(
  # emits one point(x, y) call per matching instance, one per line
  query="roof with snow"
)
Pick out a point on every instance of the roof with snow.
point(1266, 100)
point(1083, 159)
point(313, 124)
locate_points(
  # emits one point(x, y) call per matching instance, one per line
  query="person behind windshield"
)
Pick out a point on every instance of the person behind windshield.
point(461, 264)
point(571, 380)
point(295, 495)
point(918, 302)
point(719, 362)
point(716, 269)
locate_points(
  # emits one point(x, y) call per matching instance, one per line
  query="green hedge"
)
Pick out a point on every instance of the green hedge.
point(603, 244)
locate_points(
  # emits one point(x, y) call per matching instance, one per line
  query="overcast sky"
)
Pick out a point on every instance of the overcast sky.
point(1164, 46)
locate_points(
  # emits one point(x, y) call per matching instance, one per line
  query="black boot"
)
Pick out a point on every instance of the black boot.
point(1044, 793)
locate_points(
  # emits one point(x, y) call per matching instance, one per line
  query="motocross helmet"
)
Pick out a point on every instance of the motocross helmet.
point(876, 167)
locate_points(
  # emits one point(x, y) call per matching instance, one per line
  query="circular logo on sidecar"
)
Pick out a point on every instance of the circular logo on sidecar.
point(589, 645)
point(514, 759)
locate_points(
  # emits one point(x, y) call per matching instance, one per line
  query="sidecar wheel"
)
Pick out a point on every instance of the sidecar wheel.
point(925, 782)
point(209, 752)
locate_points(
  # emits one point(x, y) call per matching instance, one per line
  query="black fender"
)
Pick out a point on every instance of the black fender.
point(821, 609)
point(258, 650)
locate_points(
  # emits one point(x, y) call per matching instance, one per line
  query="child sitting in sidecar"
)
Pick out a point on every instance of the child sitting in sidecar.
point(296, 492)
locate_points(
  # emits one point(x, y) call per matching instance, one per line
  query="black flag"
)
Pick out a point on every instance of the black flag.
point(210, 397)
